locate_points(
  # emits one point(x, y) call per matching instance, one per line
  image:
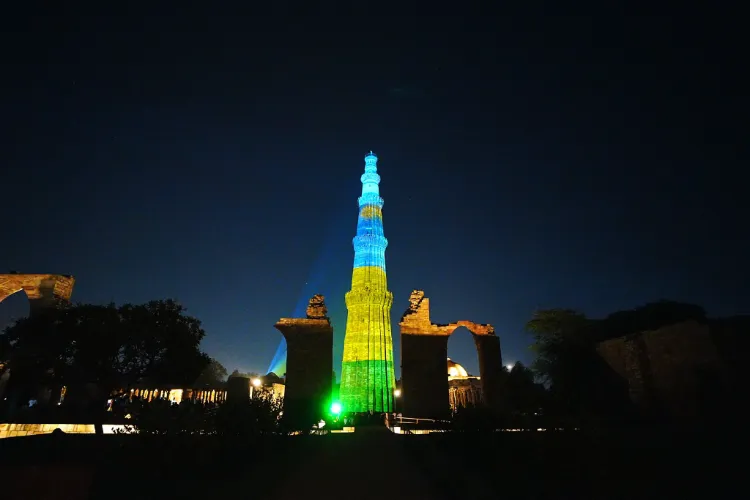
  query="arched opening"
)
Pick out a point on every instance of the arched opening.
point(424, 353)
point(463, 350)
point(13, 308)
point(464, 384)
point(23, 296)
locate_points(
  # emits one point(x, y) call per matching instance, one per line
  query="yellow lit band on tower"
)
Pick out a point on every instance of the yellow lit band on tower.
point(367, 373)
point(371, 212)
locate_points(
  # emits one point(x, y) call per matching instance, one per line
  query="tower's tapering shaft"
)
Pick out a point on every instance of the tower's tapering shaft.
point(367, 373)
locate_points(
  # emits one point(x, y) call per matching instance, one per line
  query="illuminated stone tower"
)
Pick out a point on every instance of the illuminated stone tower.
point(367, 374)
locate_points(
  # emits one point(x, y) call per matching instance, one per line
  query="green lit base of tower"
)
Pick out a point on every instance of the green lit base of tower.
point(367, 371)
point(369, 386)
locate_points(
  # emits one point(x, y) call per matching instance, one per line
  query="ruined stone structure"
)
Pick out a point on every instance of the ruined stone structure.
point(238, 389)
point(678, 370)
point(309, 363)
point(176, 395)
point(43, 290)
point(424, 350)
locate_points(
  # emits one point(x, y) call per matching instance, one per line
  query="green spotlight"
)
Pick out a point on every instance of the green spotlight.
point(336, 408)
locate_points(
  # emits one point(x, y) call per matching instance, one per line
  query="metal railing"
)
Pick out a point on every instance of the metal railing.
point(415, 420)
point(399, 421)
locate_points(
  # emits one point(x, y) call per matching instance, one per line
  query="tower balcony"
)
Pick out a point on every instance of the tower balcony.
point(371, 199)
point(369, 242)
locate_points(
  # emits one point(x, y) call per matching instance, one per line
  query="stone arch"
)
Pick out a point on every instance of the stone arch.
point(42, 290)
point(424, 349)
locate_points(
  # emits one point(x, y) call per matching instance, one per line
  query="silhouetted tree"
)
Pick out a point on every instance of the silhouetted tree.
point(213, 374)
point(162, 344)
point(565, 343)
point(272, 378)
point(580, 382)
point(258, 416)
point(105, 346)
point(4, 350)
point(237, 373)
point(524, 394)
point(555, 331)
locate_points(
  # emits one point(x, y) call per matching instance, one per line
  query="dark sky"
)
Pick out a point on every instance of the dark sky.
point(592, 162)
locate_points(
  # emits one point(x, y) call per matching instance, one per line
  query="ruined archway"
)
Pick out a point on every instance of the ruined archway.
point(424, 349)
point(42, 290)
point(462, 367)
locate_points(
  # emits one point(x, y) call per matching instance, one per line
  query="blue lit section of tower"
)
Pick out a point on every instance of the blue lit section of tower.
point(367, 371)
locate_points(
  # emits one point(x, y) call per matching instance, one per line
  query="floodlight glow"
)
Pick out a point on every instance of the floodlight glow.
point(367, 372)
point(256, 382)
point(397, 392)
point(336, 408)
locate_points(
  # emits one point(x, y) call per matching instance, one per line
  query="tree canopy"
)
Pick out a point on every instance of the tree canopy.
point(213, 374)
point(565, 343)
point(524, 394)
point(237, 373)
point(155, 342)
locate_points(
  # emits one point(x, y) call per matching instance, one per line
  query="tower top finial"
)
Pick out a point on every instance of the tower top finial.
point(371, 159)
point(370, 179)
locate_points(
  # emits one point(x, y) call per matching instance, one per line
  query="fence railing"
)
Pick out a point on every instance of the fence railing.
point(399, 420)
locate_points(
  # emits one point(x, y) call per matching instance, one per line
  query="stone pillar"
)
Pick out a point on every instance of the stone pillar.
point(309, 364)
point(238, 390)
point(490, 370)
point(424, 376)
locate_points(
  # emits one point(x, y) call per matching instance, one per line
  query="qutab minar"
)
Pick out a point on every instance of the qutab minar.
point(367, 372)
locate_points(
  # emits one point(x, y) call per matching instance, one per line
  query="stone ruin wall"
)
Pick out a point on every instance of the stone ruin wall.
point(424, 349)
point(660, 366)
point(416, 320)
point(309, 362)
point(42, 290)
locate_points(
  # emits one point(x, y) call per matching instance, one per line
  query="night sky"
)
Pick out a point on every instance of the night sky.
point(586, 162)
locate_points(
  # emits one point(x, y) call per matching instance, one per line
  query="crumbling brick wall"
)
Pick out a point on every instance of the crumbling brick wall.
point(43, 290)
point(424, 349)
point(664, 368)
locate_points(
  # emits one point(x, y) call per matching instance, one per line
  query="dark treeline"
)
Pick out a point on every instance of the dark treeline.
point(569, 383)
point(92, 350)
point(97, 352)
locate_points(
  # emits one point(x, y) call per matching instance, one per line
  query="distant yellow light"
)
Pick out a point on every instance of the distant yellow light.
point(397, 392)
point(256, 382)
